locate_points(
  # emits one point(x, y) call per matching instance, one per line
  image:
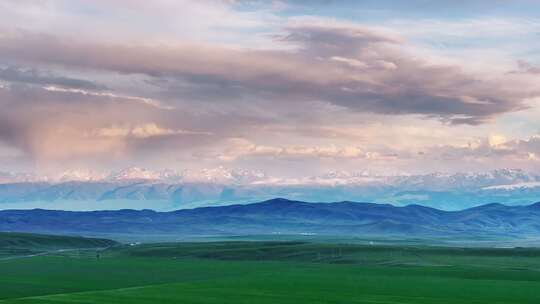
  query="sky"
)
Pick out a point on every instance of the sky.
point(290, 88)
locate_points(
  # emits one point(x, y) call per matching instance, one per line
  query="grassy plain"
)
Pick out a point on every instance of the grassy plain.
point(275, 272)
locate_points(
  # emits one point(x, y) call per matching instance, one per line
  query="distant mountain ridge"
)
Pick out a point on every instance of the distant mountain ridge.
point(281, 216)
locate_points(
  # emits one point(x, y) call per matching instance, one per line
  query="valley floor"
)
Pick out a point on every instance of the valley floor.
point(274, 272)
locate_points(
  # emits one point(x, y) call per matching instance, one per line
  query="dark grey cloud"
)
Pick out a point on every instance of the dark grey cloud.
point(324, 40)
point(527, 67)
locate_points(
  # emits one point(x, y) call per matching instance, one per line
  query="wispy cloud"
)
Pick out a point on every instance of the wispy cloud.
point(146, 101)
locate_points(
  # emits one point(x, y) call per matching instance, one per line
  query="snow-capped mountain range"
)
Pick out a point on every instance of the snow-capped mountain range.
point(219, 175)
point(496, 179)
point(169, 189)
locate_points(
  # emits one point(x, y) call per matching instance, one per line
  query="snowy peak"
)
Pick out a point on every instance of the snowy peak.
point(434, 181)
point(464, 181)
point(8, 177)
point(221, 175)
point(134, 173)
point(523, 185)
point(80, 176)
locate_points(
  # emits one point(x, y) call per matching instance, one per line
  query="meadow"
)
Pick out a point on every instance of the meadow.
point(273, 272)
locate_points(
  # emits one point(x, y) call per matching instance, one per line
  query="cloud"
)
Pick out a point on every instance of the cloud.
point(67, 127)
point(49, 125)
point(186, 82)
point(236, 148)
point(387, 81)
point(495, 141)
point(495, 151)
point(142, 131)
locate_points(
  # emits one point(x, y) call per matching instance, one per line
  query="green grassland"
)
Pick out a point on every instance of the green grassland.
point(275, 272)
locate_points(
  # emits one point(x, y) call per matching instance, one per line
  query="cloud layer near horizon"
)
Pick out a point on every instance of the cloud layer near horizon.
point(209, 83)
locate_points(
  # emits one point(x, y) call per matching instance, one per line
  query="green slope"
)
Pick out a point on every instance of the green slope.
point(12, 244)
